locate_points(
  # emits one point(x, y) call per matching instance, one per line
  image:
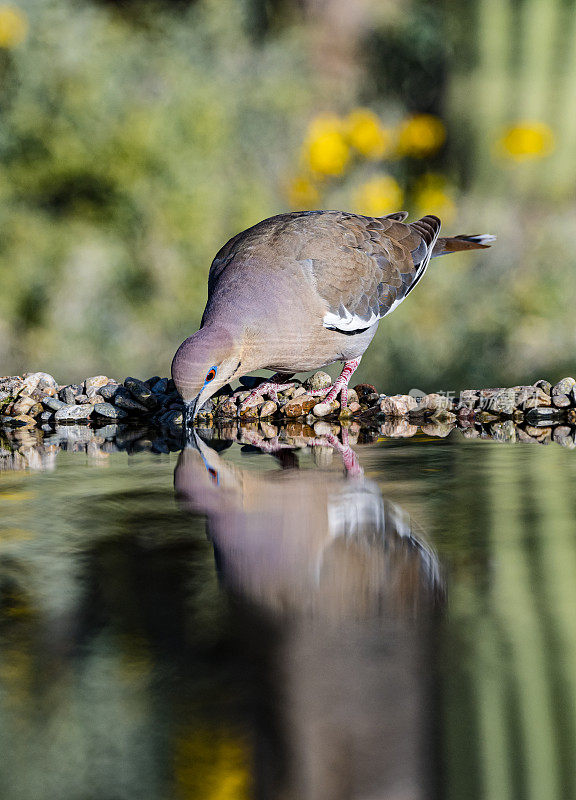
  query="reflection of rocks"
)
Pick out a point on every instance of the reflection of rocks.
point(31, 447)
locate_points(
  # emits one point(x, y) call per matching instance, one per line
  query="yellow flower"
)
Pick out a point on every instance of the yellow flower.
point(431, 197)
point(378, 196)
point(421, 135)
point(367, 134)
point(302, 194)
point(527, 140)
point(326, 151)
point(13, 26)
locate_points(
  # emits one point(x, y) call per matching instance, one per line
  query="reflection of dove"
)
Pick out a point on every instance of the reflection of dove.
point(307, 541)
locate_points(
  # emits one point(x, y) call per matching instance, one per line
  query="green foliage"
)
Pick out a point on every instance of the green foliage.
point(129, 155)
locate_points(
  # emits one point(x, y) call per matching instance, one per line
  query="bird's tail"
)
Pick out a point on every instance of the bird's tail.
point(454, 244)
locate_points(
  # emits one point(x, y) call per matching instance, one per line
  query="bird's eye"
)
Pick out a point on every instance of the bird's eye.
point(211, 375)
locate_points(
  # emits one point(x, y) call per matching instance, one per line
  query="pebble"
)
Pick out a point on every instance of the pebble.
point(73, 413)
point(69, 393)
point(298, 405)
point(141, 392)
point(269, 408)
point(125, 401)
point(38, 380)
point(95, 382)
point(53, 403)
point(565, 386)
point(109, 411)
point(23, 405)
point(323, 409)
point(160, 386)
point(109, 391)
point(398, 405)
point(320, 380)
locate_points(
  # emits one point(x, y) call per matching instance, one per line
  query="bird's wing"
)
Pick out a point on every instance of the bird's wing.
point(361, 267)
point(373, 264)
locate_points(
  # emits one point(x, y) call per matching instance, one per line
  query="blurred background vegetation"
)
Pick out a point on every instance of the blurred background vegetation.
point(137, 137)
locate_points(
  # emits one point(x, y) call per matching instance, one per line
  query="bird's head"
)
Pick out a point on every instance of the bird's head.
point(203, 364)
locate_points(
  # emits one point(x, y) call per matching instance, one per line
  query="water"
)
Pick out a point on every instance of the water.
point(223, 623)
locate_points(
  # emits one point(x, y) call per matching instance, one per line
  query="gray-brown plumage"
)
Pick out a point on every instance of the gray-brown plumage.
point(302, 290)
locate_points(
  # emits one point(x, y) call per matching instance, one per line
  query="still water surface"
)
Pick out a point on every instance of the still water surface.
point(222, 623)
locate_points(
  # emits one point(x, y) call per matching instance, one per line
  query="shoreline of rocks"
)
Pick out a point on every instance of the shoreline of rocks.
point(37, 399)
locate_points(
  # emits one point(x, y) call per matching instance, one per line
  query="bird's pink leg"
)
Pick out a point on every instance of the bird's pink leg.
point(340, 385)
point(277, 383)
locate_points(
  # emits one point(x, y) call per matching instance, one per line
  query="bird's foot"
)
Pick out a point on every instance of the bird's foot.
point(278, 383)
point(339, 387)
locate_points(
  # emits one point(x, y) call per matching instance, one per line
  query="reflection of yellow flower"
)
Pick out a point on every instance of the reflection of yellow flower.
point(378, 196)
point(527, 140)
point(431, 197)
point(13, 26)
point(366, 133)
point(326, 151)
point(212, 765)
point(302, 194)
point(421, 135)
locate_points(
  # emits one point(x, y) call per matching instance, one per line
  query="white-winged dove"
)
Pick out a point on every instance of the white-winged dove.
point(302, 290)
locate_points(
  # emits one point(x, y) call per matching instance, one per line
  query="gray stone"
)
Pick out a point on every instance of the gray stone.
point(46, 416)
point(53, 403)
point(160, 387)
point(109, 391)
point(74, 413)
point(69, 393)
point(140, 392)
point(82, 399)
point(565, 386)
point(109, 411)
point(123, 400)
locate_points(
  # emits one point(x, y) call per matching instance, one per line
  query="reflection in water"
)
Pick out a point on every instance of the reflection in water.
point(345, 587)
point(131, 668)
